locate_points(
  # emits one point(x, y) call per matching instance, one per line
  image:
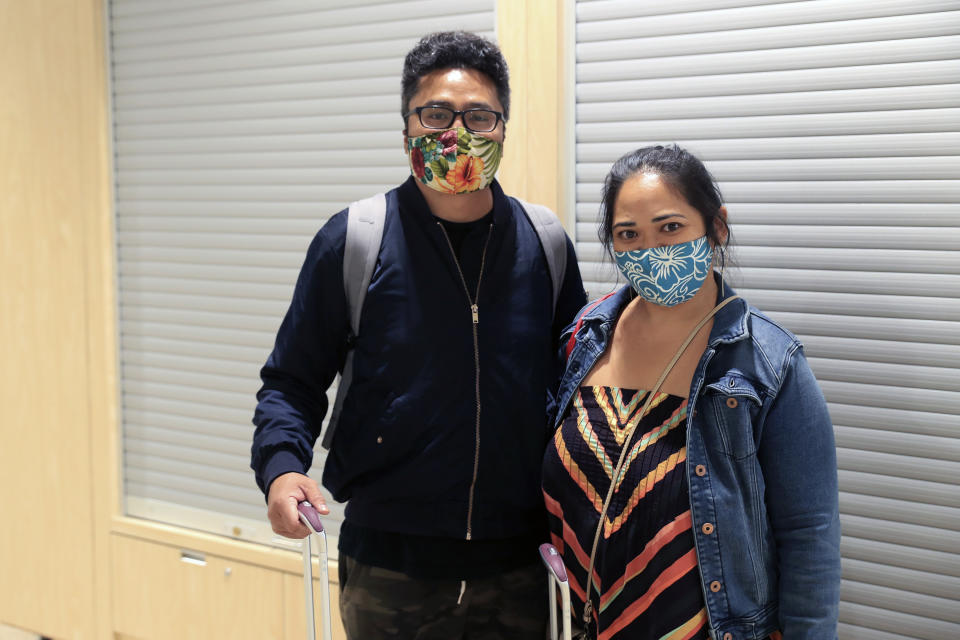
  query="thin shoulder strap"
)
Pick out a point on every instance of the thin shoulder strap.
point(553, 239)
point(365, 221)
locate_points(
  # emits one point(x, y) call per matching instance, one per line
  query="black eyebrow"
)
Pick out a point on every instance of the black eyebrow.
point(450, 105)
point(627, 223)
point(667, 216)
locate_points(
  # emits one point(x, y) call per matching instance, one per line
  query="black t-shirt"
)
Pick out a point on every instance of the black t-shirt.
point(458, 231)
point(469, 262)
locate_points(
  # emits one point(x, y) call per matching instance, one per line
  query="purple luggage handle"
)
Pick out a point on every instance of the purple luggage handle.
point(556, 577)
point(311, 518)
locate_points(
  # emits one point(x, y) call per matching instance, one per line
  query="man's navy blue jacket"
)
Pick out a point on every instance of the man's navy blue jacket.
point(404, 450)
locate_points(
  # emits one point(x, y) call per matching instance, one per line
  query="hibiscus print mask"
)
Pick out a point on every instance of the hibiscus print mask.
point(667, 275)
point(454, 161)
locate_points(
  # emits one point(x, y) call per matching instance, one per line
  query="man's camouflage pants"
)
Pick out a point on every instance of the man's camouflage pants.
point(378, 603)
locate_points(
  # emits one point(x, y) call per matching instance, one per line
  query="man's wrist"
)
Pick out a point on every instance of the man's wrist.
point(280, 463)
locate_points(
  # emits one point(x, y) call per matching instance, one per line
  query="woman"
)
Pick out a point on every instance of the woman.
point(720, 521)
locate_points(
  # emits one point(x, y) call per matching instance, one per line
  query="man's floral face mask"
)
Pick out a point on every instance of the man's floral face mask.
point(454, 161)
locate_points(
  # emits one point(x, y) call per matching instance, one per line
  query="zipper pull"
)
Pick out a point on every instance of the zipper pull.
point(476, 313)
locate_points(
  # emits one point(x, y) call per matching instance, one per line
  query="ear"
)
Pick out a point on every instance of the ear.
point(405, 139)
point(720, 225)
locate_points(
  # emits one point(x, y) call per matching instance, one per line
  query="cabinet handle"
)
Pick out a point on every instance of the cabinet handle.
point(194, 558)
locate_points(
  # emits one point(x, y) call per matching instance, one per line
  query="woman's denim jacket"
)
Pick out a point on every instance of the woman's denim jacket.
point(761, 467)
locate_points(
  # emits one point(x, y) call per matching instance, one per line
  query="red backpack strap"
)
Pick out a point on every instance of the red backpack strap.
point(572, 342)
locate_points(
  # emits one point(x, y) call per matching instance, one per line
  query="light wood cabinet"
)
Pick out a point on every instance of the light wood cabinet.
point(163, 592)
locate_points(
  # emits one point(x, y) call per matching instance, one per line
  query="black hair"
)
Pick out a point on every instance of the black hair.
point(682, 172)
point(455, 50)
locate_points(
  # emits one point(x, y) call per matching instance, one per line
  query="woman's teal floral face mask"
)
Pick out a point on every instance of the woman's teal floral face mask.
point(454, 161)
point(668, 275)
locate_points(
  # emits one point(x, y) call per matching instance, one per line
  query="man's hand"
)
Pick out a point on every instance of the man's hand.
point(286, 492)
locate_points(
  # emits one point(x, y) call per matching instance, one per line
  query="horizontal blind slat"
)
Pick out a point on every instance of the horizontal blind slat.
point(613, 9)
point(903, 74)
point(775, 37)
point(925, 469)
point(927, 492)
point(358, 12)
point(902, 555)
point(862, 122)
point(830, 55)
point(771, 102)
point(390, 21)
point(825, 146)
point(745, 18)
point(928, 167)
point(902, 601)
point(897, 622)
point(897, 577)
point(900, 544)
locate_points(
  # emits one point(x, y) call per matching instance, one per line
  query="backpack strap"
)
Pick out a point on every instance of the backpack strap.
point(553, 239)
point(572, 342)
point(365, 221)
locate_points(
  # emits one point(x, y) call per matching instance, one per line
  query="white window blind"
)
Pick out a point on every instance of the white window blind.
point(239, 128)
point(833, 127)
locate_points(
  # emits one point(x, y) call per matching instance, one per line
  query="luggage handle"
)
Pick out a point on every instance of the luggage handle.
point(311, 518)
point(557, 578)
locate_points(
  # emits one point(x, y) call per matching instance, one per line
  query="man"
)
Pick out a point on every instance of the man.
point(441, 435)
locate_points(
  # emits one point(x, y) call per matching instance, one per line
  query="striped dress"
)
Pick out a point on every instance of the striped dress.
point(646, 581)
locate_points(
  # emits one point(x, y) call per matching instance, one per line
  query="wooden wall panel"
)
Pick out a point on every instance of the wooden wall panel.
point(539, 133)
point(54, 201)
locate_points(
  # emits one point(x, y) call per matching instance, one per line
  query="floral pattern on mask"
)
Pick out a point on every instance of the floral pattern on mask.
point(670, 275)
point(454, 161)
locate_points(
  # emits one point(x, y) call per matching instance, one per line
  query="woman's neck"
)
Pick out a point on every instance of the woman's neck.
point(683, 315)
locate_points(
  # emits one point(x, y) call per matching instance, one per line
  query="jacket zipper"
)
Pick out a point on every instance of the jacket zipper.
point(475, 317)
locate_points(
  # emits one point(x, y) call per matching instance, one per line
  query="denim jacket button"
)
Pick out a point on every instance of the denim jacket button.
point(707, 528)
point(715, 586)
point(700, 470)
point(732, 402)
point(728, 636)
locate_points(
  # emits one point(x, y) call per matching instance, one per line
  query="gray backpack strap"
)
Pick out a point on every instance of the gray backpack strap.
point(553, 239)
point(365, 221)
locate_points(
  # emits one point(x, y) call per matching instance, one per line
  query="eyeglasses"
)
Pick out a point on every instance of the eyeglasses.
point(478, 120)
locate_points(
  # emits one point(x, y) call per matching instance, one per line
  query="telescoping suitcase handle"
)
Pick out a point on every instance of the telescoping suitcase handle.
point(557, 578)
point(311, 518)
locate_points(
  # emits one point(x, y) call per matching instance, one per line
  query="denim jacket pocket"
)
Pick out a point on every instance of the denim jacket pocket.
point(735, 404)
